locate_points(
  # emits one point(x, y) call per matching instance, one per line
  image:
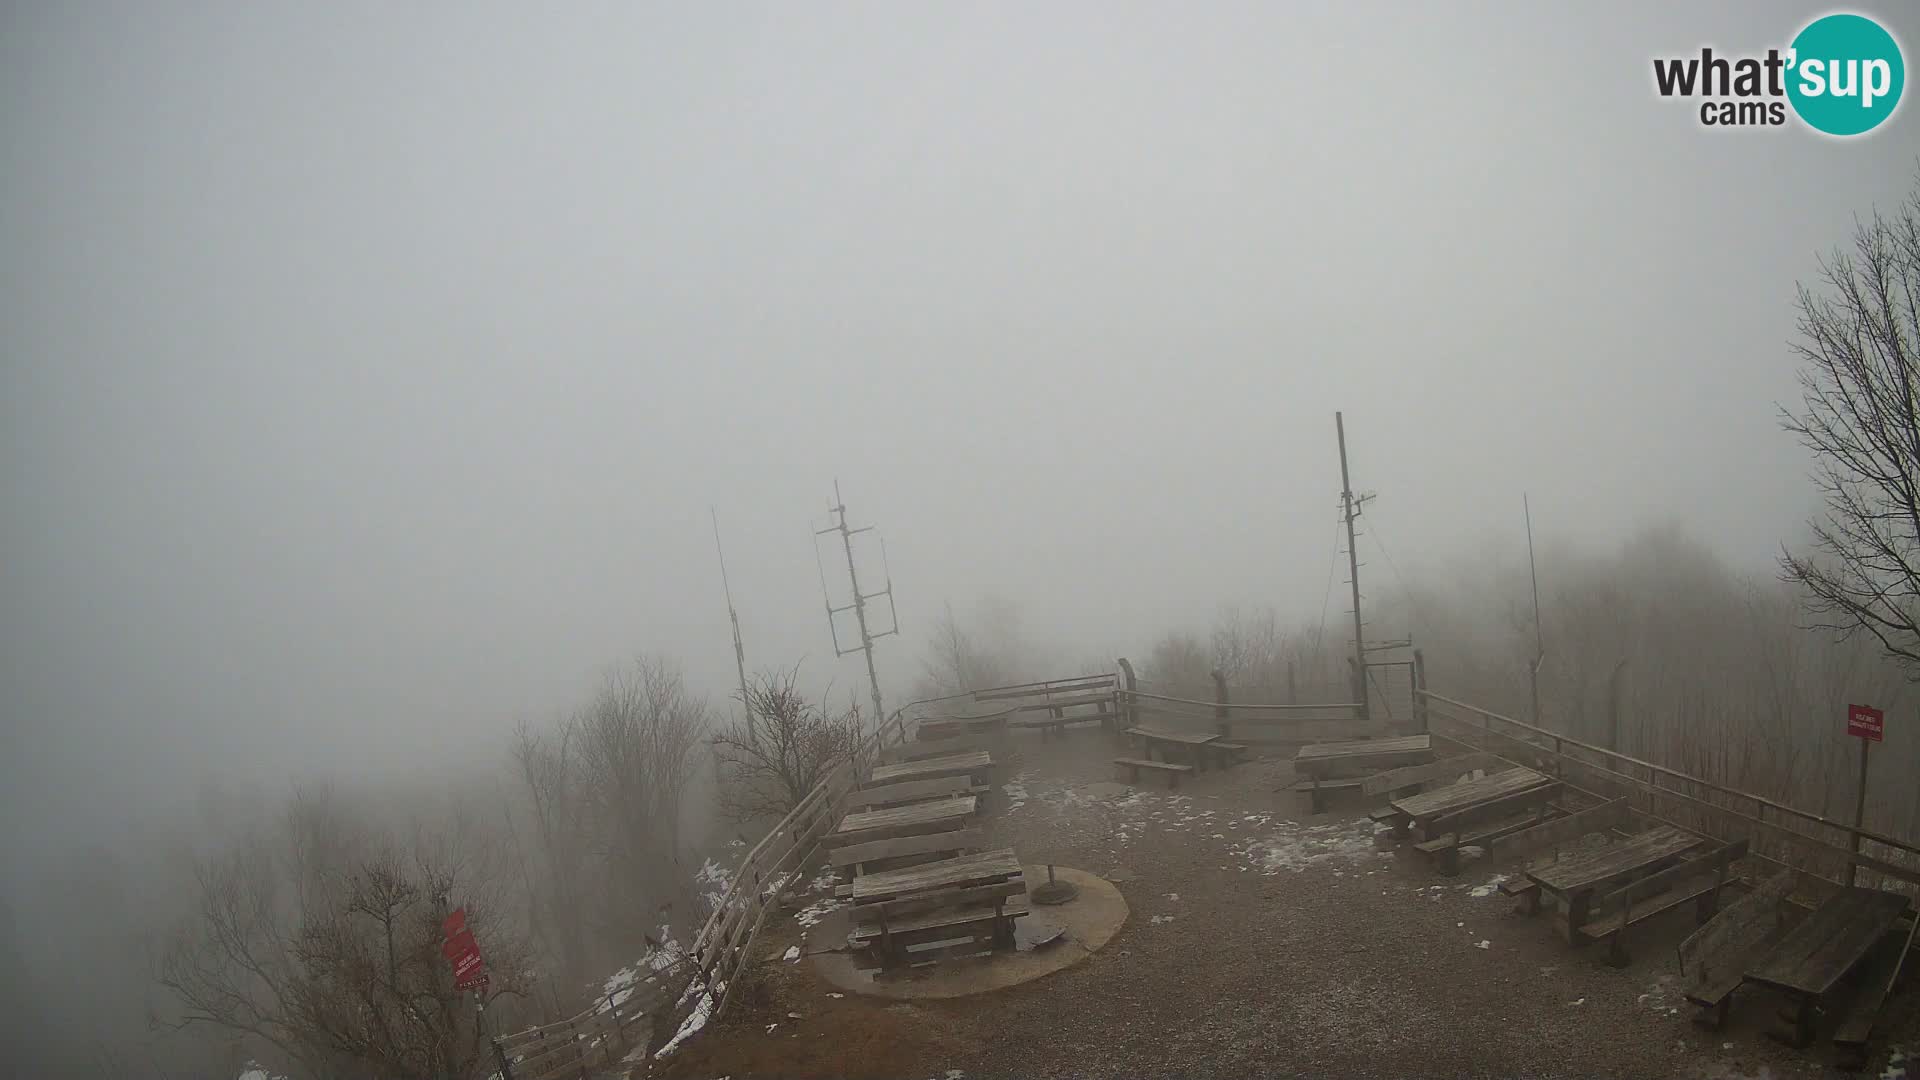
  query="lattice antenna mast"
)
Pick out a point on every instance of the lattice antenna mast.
point(739, 650)
point(1350, 508)
point(859, 605)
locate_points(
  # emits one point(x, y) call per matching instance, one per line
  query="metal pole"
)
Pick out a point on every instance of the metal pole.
point(1539, 639)
point(739, 650)
point(859, 602)
point(1859, 810)
point(1353, 571)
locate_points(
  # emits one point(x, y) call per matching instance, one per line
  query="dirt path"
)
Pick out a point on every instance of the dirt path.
point(1262, 942)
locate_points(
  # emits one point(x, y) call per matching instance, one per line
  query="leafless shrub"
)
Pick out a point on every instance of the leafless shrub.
point(768, 772)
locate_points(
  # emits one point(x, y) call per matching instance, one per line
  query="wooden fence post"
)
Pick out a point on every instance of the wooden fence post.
point(1220, 696)
point(1293, 698)
point(1420, 689)
point(1129, 708)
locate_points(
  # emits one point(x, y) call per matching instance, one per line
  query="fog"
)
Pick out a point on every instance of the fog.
point(369, 372)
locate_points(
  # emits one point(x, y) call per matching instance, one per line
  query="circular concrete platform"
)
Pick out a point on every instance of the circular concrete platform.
point(1049, 939)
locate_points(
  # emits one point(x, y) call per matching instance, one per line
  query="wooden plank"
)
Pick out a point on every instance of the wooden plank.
point(1443, 769)
point(920, 750)
point(1564, 830)
point(1879, 974)
point(909, 820)
point(1899, 873)
point(920, 903)
point(1458, 796)
point(1504, 814)
point(1737, 926)
point(1185, 738)
point(1143, 763)
point(942, 918)
point(1067, 702)
point(1816, 953)
point(966, 763)
point(959, 840)
point(964, 869)
point(1399, 745)
point(1598, 867)
point(912, 791)
point(1717, 860)
point(1064, 686)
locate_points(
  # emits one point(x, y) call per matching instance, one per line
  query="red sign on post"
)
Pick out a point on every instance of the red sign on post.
point(1866, 722)
point(463, 952)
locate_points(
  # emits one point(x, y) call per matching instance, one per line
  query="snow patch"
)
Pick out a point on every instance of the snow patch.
point(1158, 919)
point(1483, 943)
point(1481, 892)
point(713, 881)
point(1296, 847)
point(1897, 1060)
point(703, 1008)
point(792, 955)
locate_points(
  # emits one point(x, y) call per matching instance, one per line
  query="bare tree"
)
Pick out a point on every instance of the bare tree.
point(635, 743)
point(328, 958)
point(799, 744)
point(1860, 340)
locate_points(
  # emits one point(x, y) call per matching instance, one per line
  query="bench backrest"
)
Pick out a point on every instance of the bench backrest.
point(910, 791)
point(1716, 862)
point(997, 892)
point(1445, 769)
point(1728, 936)
point(916, 749)
point(1505, 806)
point(1564, 830)
point(957, 842)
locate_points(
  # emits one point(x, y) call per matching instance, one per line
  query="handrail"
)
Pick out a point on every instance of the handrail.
point(1568, 740)
point(1143, 695)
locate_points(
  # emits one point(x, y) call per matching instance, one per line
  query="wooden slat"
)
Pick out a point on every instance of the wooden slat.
point(1879, 866)
point(1465, 793)
point(1064, 686)
point(1715, 861)
point(1880, 973)
point(1444, 769)
point(1503, 809)
point(1596, 868)
point(961, 764)
point(1816, 953)
point(1144, 763)
point(1185, 738)
point(921, 903)
point(1067, 702)
point(921, 749)
point(1400, 745)
point(911, 791)
point(965, 869)
point(942, 918)
point(902, 820)
point(1564, 830)
point(1714, 958)
point(959, 840)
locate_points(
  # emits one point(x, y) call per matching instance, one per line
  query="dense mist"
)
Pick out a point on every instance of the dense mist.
point(370, 373)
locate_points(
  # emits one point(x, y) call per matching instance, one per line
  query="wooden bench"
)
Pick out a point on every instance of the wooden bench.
point(1549, 837)
point(1315, 789)
point(1714, 958)
point(940, 901)
point(1134, 765)
point(1227, 753)
point(1698, 880)
point(913, 791)
point(1819, 952)
point(1877, 974)
point(921, 749)
point(870, 856)
point(1481, 824)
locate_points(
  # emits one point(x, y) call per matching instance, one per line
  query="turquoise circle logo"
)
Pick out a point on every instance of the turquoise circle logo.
point(1847, 74)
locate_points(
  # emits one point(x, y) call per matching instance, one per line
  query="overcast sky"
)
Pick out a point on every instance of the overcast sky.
point(369, 369)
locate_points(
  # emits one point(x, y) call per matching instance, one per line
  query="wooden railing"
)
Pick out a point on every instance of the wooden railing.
point(706, 975)
point(1778, 832)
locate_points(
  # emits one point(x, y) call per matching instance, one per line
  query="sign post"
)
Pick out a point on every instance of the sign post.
point(1869, 725)
point(462, 951)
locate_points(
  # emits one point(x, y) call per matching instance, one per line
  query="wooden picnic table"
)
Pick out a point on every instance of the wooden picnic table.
point(910, 820)
point(1575, 877)
point(1193, 742)
point(1818, 953)
point(964, 870)
point(962, 764)
point(1324, 760)
point(1420, 810)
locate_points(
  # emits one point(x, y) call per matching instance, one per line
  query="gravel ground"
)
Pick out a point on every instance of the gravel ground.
point(1263, 941)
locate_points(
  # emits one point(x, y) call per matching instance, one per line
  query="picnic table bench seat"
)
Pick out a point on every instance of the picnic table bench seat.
point(1478, 826)
point(1714, 958)
point(1876, 976)
point(966, 898)
point(1173, 770)
point(1695, 880)
point(1814, 956)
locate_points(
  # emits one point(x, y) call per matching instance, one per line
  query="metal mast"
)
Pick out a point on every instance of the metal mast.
point(1351, 508)
point(859, 604)
point(739, 650)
